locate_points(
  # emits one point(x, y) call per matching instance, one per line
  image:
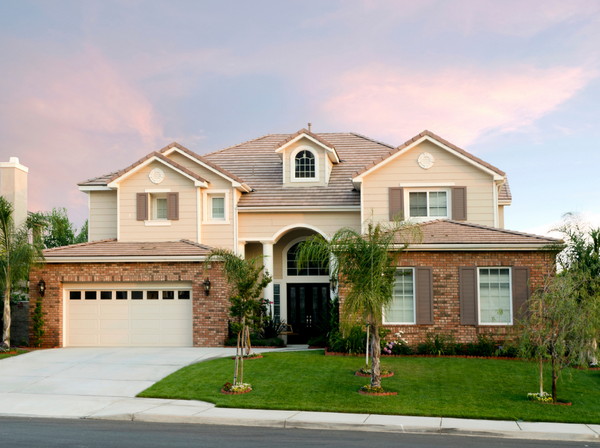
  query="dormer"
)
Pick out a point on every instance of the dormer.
point(307, 160)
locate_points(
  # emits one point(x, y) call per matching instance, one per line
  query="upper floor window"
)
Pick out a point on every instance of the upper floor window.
point(159, 205)
point(428, 204)
point(305, 165)
point(217, 207)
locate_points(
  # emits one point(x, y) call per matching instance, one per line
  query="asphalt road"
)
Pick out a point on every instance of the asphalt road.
point(47, 433)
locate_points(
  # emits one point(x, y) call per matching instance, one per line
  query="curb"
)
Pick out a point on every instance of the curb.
point(293, 424)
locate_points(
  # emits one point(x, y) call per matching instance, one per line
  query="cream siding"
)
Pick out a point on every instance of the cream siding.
point(264, 226)
point(103, 215)
point(501, 216)
point(289, 164)
point(133, 230)
point(215, 180)
point(447, 168)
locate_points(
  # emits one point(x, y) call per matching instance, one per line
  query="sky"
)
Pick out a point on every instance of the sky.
point(87, 88)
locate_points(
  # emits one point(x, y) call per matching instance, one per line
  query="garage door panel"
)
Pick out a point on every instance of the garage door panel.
point(141, 323)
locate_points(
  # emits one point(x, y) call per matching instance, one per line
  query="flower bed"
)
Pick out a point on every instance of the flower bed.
point(376, 391)
point(238, 389)
point(545, 398)
point(368, 375)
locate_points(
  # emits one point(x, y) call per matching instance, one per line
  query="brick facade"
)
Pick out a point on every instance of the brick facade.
point(446, 301)
point(210, 313)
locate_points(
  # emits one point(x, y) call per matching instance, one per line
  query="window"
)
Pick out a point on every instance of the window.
point(75, 295)
point(402, 309)
point(168, 295)
point(158, 204)
point(217, 207)
point(495, 296)
point(428, 204)
point(121, 295)
point(305, 165)
point(314, 267)
point(277, 303)
point(152, 295)
point(90, 295)
point(105, 295)
point(184, 295)
point(137, 295)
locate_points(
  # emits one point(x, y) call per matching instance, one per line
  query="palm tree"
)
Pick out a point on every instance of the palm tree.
point(17, 256)
point(366, 264)
point(246, 286)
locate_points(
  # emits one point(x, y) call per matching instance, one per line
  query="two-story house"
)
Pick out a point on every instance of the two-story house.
point(141, 280)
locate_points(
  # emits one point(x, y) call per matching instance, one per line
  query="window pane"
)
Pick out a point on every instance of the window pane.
point(494, 295)
point(438, 205)
point(305, 165)
point(137, 295)
point(277, 302)
point(314, 267)
point(152, 295)
point(75, 295)
point(168, 295)
point(402, 309)
point(161, 208)
point(184, 295)
point(90, 295)
point(218, 208)
point(105, 295)
point(417, 204)
point(121, 295)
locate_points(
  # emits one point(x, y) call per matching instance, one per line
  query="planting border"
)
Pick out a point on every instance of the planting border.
point(377, 394)
point(328, 353)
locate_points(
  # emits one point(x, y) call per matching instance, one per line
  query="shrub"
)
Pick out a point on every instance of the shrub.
point(38, 324)
point(318, 341)
point(271, 328)
point(272, 342)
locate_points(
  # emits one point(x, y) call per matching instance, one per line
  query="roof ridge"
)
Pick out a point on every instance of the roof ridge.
point(310, 134)
point(238, 144)
point(372, 140)
point(510, 232)
point(87, 243)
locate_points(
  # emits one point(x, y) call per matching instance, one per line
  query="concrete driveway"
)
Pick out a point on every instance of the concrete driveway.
point(77, 382)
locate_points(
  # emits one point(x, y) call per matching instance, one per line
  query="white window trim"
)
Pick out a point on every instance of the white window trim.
point(154, 210)
point(158, 223)
point(500, 324)
point(414, 302)
point(207, 206)
point(293, 177)
point(407, 192)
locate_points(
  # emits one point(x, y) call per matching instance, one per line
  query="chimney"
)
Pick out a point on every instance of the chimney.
point(13, 186)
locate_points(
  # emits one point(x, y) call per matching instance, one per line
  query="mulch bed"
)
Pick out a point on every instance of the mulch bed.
point(246, 358)
point(366, 375)
point(328, 353)
point(226, 392)
point(377, 394)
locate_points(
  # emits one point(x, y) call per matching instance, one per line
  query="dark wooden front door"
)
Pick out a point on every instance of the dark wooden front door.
point(307, 305)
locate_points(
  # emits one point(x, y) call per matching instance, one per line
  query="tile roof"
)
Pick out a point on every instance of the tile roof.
point(505, 194)
point(446, 231)
point(259, 165)
point(435, 137)
point(114, 248)
point(108, 178)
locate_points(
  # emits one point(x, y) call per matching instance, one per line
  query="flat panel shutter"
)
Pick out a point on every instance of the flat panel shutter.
point(467, 278)
point(520, 290)
point(396, 203)
point(173, 206)
point(424, 295)
point(459, 203)
point(142, 206)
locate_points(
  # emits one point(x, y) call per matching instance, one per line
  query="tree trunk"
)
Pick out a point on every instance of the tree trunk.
point(367, 348)
point(249, 343)
point(237, 359)
point(6, 330)
point(243, 343)
point(554, 378)
point(375, 352)
point(541, 377)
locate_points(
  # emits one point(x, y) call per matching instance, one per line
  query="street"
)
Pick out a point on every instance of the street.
point(35, 432)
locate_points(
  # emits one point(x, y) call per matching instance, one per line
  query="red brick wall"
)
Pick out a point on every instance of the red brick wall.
point(446, 289)
point(210, 313)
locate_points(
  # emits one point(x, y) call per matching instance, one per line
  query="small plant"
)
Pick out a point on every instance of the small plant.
point(238, 388)
point(372, 390)
point(4, 348)
point(544, 397)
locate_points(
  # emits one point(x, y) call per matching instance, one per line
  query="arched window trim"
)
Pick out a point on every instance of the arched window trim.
point(293, 165)
point(298, 278)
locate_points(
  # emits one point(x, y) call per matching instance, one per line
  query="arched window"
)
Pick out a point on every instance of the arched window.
point(314, 267)
point(305, 165)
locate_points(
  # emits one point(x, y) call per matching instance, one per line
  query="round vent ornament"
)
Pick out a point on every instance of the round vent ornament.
point(425, 160)
point(157, 175)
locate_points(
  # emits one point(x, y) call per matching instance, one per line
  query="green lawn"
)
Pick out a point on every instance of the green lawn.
point(19, 352)
point(467, 388)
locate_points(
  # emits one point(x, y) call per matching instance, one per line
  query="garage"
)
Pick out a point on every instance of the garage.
point(128, 315)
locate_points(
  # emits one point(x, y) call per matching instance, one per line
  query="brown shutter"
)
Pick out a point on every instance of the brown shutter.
point(396, 203)
point(173, 206)
point(520, 290)
point(424, 295)
point(459, 203)
point(142, 206)
point(467, 277)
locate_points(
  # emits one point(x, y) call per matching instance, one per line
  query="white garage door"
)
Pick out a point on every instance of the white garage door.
point(135, 316)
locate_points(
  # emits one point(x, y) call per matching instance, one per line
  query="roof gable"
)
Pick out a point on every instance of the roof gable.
point(303, 133)
point(444, 144)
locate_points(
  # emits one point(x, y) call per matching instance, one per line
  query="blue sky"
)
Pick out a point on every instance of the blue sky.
point(88, 87)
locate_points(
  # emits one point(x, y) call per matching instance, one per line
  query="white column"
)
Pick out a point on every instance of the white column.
point(268, 264)
point(242, 249)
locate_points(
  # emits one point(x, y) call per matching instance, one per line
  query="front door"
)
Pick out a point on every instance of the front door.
point(307, 306)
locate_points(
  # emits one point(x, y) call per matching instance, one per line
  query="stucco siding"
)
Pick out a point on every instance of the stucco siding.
point(103, 215)
point(447, 168)
point(133, 230)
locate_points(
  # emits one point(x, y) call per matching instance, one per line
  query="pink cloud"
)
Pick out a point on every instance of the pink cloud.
point(459, 104)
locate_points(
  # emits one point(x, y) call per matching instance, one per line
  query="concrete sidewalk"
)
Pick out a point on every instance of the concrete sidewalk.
point(102, 384)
